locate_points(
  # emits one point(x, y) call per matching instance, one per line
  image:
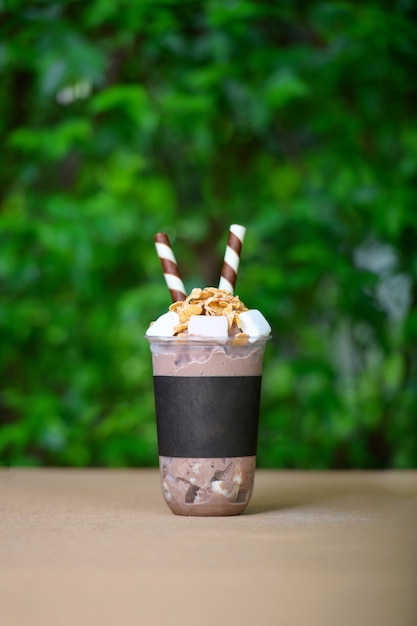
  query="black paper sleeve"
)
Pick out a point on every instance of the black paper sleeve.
point(208, 416)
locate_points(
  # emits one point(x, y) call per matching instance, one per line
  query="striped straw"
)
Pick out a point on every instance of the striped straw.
point(232, 257)
point(169, 267)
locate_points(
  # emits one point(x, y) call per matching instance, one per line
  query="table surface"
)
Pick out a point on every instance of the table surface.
point(101, 547)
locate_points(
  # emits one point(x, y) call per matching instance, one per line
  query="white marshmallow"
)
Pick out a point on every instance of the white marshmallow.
point(254, 324)
point(164, 325)
point(208, 326)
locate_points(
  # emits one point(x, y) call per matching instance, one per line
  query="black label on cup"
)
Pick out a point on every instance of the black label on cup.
point(207, 416)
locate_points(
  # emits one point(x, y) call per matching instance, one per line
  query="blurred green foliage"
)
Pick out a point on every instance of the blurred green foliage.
point(121, 119)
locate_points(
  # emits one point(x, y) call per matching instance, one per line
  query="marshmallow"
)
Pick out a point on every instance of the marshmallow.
point(208, 326)
point(254, 324)
point(164, 325)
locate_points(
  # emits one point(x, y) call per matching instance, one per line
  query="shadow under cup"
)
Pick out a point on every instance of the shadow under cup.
point(207, 396)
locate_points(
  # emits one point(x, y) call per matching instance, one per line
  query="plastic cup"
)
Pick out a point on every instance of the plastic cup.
point(207, 397)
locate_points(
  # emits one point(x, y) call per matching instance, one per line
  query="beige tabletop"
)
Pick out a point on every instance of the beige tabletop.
point(101, 547)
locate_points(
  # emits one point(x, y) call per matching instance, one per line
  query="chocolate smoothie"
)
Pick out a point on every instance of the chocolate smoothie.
point(207, 394)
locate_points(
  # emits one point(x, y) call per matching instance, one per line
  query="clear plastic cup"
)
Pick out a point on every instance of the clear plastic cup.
point(207, 397)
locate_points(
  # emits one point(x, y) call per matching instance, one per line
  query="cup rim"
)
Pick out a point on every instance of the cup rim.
point(193, 339)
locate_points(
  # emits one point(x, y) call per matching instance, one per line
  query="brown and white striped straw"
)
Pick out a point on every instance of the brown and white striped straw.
point(232, 257)
point(169, 267)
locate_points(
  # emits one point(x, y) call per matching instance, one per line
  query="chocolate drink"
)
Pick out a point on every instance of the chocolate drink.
point(207, 394)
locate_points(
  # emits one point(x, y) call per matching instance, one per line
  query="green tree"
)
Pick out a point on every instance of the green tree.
point(118, 120)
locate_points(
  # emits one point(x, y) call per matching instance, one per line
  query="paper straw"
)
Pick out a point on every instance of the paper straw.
point(169, 267)
point(232, 257)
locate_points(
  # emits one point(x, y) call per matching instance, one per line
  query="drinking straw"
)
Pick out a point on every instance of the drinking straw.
point(232, 257)
point(169, 267)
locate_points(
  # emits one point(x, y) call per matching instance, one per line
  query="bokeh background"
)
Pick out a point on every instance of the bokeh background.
point(295, 119)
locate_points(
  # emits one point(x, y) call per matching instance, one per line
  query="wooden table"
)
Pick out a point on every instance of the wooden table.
point(100, 547)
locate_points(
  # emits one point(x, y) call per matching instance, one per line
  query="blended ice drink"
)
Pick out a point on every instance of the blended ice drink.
point(207, 354)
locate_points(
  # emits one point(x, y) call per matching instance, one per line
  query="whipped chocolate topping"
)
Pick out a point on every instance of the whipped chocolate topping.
point(180, 358)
